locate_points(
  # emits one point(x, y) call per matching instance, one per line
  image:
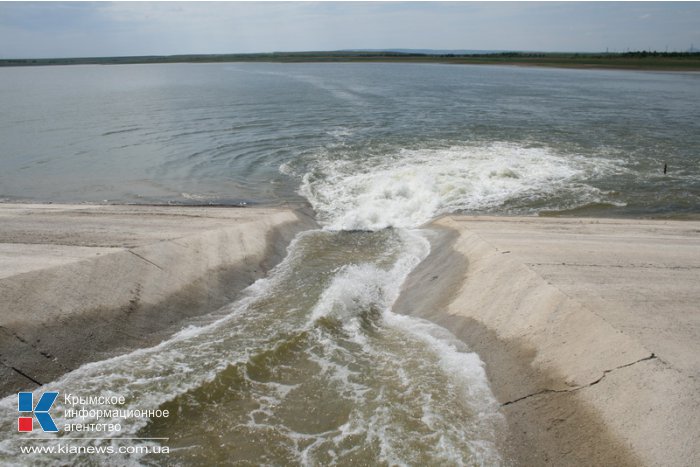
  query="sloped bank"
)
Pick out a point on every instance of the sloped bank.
point(80, 283)
point(575, 389)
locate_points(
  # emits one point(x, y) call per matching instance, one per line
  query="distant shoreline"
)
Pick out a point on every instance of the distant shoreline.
point(641, 61)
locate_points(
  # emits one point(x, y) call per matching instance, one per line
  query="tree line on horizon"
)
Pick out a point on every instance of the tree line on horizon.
point(690, 58)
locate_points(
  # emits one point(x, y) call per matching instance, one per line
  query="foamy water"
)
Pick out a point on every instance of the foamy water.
point(311, 367)
point(394, 389)
point(410, 187)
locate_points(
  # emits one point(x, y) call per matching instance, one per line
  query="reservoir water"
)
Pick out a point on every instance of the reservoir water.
point(311, 366)
point(497, 139)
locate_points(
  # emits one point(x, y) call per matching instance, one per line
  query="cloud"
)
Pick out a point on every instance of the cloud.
point(146, 28)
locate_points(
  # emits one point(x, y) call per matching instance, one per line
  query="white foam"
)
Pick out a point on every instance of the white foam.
point(340, 132)
point(409, 188)
point(465, 367)
point(149, 377)
point(286, 169)
point(195, 196)
point(466, 371)
point(421, 346)
point(357, 287)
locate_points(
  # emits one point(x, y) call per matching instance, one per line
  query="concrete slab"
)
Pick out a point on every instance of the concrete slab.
point(589, 329)
point(18, 258)
point(642, 277)
point(80, 283)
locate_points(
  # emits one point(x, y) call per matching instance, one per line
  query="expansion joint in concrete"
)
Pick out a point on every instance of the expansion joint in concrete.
point(21, 373)
point(146, 260)
point(13, 335)
point(620, 266)
point(578, 388)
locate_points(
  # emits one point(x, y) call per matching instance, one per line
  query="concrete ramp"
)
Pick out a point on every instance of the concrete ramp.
point(588, 328)
point(80, 283)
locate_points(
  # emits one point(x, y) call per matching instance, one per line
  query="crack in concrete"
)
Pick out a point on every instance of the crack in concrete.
point(577, 388)
point(20, 372)
point(11, 333)
point(41, 352)
point(27, 376)
point(623, 266)
point(146, 260)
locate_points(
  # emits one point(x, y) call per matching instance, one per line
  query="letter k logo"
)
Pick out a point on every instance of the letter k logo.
point(40, 411)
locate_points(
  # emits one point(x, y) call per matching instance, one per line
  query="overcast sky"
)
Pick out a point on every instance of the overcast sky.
point(81, 29)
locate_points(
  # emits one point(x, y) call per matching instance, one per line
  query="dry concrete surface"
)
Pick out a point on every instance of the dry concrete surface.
point(589, 330)
point(80, 283)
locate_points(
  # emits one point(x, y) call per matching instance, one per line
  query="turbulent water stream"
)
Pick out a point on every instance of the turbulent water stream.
point(309, 367)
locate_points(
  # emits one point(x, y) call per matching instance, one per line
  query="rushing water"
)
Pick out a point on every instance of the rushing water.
point(310, 366)
point(305, 369)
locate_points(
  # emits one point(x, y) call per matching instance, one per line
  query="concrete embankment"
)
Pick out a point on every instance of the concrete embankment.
point(589, 330)
point(80, 283)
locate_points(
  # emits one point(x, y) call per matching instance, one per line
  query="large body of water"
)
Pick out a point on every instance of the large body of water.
point(311, 366)
point(498, 139)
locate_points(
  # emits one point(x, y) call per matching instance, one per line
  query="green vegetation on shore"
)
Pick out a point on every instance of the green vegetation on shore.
point(630, 60)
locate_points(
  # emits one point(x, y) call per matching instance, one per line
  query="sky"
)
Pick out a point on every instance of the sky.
point(88, 29)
